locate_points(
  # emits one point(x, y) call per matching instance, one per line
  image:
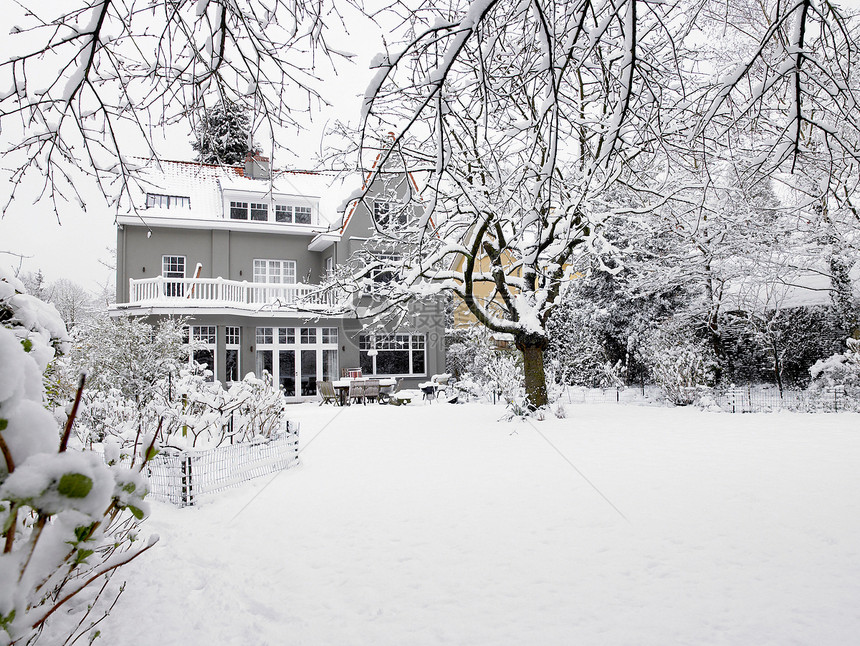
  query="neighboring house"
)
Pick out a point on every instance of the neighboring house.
point(242, 253)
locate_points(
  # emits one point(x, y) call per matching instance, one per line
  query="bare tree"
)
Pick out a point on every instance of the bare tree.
point(534, 122)
point(90, 82)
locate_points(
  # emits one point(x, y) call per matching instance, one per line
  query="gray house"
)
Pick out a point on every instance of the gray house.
point(241, 252)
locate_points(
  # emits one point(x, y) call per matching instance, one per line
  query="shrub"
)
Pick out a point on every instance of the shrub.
point(841, 371)
point(683, 365)
point(68, 519)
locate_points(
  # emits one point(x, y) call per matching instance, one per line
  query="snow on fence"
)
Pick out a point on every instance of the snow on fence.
point(734, 400)
point(181, 477)
point(751, 400)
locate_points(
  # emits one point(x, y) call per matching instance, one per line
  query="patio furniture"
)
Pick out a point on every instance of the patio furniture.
point(371, 390)
point(328, 394)
point(442, 381)
point(428, 389)
point(356, 392)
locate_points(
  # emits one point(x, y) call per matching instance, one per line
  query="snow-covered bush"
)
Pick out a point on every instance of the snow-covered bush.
point(683, 366)
point(840, 371)
point(68, 519)
point(203, 414)
point(187, 411)
point(468, 352)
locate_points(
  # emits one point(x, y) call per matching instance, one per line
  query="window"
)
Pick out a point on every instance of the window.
point(289, 213)
point(283, 213)
point(287, 335)
point(274, 271)
point(238, 210)
point(173, 267)
point(387, 216)
point(264, 335)
point(383, 275)
point(329, 266)
point(157, 201)
point(392, 354)
point(202, 341)
point(260, 212)
point(231, 343)
point(303, 214)
point(296, 367)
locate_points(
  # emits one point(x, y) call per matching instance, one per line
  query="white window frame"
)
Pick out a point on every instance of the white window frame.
point(168, 261)
point(256, 208)
point(408, 342)
point(237, 205)
point(286, 271)
point(160, 201)
point(233, 342)
point(204, 337)
point(384, 210)
point(294, 213)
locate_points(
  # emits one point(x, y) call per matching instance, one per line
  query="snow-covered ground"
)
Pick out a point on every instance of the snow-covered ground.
point(437, 525)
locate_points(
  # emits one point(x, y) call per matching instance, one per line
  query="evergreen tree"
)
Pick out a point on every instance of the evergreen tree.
point(223, 134)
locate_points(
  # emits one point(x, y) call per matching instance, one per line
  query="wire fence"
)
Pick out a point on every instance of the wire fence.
point(748, 399)
point(182, 477)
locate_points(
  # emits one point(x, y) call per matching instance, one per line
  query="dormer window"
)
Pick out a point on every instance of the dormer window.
point(287, 213)
point(260, 212)
point(238, 210)
point(283, 213)
point(158, 201)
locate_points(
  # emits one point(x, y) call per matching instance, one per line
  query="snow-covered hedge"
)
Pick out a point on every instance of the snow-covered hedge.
point(68, 519)
point(840, 371)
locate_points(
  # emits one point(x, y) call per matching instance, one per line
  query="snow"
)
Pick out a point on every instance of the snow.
point(436, 524)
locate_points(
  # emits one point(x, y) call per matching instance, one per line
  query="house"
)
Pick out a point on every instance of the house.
point(242, 251)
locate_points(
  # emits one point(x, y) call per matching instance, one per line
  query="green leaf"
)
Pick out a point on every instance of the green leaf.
point(83, 555)
point(137, 513)
point(75, 485)
point(28, 344)
point(151, 452)
point(8, 619)
point(129, 488)
point(3, 424)
point(82, 532)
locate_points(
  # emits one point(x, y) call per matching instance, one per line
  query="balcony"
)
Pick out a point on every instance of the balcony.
point(219, 292)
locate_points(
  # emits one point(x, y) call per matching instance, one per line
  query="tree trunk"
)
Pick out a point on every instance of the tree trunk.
point(532, 347)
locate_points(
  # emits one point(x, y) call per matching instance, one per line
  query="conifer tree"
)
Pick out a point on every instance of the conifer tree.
point(223, 134)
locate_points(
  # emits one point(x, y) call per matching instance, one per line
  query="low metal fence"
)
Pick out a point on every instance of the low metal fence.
point(749, 399)
point(182, 477)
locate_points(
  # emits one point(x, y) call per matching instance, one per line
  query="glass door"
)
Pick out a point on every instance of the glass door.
point(309, 373)
point(287, 371)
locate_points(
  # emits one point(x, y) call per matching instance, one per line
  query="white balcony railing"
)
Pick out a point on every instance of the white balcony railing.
point(219, 292)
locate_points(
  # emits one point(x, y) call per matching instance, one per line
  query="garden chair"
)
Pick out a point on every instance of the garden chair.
point(328, 394)
point(399, 396)
point(371, 390)
point(442, 382)
point(356, 392)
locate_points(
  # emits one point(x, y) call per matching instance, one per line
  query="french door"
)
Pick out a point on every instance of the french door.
point(297, 357)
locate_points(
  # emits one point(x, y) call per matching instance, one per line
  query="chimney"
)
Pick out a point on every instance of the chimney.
point(257, 166)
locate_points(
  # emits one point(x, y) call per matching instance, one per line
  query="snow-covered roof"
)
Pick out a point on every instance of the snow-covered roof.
point(205, 185)
point(798, 288)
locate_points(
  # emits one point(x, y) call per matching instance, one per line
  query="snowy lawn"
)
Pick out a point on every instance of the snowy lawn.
point(437, 525)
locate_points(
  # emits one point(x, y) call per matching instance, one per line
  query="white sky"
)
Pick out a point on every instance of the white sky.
point(73, 247)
